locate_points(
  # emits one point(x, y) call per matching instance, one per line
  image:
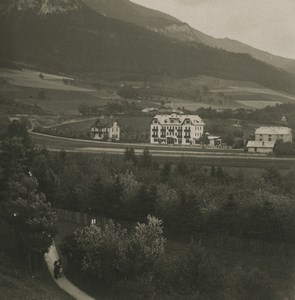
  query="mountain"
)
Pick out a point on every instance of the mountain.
point(128, 11)
point(72, 38)
point(40, 7)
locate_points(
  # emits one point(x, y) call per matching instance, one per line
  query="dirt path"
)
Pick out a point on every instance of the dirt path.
point(63, 282)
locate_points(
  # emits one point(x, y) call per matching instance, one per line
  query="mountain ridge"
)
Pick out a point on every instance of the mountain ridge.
point(88, 44)
point(172, 27)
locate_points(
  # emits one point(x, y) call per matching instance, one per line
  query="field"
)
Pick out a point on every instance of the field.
point(29, 78)
point(181, 89)
point(175, 103)
point(56, 97)
point(258, 104)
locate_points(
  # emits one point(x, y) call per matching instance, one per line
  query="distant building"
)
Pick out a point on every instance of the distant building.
point(266, 137)
point(260, 147)
point(149, 109)
point(176, 129)
point(106, 130)
point(284, 120)
point(214, 140)
point(273, 134)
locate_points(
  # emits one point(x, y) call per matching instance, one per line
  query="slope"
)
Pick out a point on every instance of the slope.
point(159, 22)
point(130, 12)
point(16, 283)
point(86, 43)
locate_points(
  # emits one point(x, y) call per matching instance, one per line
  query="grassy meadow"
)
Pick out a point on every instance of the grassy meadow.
point(56, 97)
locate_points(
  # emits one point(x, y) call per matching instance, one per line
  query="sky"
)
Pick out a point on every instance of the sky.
point(265, 24)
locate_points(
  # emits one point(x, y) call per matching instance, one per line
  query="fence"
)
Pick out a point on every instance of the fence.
point(218, 240)
point(225, 242)
point(79, 217)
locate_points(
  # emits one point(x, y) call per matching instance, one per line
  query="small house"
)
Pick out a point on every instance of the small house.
point(106, 130)
point(260, 147)
point(214, 140)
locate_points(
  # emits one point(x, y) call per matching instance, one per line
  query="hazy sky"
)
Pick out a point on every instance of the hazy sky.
point(265, 24)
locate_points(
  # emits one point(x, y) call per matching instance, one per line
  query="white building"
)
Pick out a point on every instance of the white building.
point(266, 138)
point(106, 130)
point(214, 140)
point(176, 129)
point(273, 134)
point(260, 147)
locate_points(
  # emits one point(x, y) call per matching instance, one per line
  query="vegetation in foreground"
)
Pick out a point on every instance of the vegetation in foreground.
point(27, 222)
point(110, 262)
point(188, 200)
point(18, 284)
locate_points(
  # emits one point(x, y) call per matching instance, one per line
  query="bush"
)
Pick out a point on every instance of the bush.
point(252, 284)
point(284, 149)
point(110, 252)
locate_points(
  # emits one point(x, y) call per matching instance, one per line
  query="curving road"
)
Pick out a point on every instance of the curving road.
point(222, 157)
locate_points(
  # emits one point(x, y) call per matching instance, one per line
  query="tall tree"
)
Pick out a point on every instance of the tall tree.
point(32, 219)
point(146, 158)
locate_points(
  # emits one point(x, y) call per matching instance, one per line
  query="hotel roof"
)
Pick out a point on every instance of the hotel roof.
point(259, 144)
point(175, 119)
point(273, 130)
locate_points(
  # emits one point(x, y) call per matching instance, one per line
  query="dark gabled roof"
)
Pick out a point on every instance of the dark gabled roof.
point(105, 123)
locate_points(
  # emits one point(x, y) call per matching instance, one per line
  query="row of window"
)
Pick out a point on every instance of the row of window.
point(187, 141)
point(197, 128)
point(155, 121)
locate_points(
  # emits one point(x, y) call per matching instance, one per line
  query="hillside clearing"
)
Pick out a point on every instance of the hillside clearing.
point(29, 78)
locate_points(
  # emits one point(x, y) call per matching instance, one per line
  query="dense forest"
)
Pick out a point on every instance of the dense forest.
point(165, 200)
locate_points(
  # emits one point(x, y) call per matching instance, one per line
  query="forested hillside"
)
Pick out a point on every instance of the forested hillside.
point(160, 22)
point(88, 44)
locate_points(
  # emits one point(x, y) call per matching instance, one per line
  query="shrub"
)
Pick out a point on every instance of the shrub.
point(284, 149)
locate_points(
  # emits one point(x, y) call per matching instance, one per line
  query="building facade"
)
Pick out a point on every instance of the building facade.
point(260, 147)
point(273, 134)
point(176, 129)
point(106, 130)
point(266, 138)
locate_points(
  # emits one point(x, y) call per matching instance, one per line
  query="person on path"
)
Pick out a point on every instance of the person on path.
point(56, 269)
point(60, 269)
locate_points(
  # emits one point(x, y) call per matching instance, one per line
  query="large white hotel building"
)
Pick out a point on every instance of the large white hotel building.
point(177, 129)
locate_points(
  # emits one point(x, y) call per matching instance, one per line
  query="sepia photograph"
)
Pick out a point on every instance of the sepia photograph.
point(147, 149)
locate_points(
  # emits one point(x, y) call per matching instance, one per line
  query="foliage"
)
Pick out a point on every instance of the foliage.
point(127, 92)
point(146, 158)
point(24, 209)
point(204, 140)
point(30, 216)
point(145, 271)
point(146, 246)
point(111, 252)
point(284, 149)
point(267, 115)
point(129, 155)
point(104, 250)
point(188, 199)
point(84, 109)
point(18, 129)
